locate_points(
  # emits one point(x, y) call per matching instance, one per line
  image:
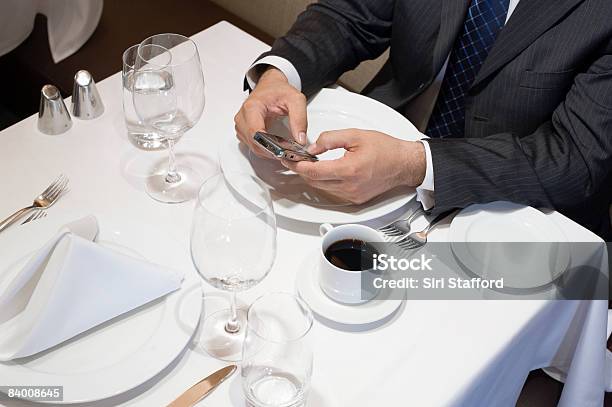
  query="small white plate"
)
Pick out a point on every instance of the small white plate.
point(536, 252)
point(118, 355)
point(330, 109)
point(308, 288)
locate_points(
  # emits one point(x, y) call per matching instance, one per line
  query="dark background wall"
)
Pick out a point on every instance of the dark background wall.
point(123, 23)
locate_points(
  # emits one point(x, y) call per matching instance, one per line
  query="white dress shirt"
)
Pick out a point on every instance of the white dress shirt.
point(421, 107)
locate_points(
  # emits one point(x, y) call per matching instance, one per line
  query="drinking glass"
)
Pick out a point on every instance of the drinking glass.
point(140, 135)
point(277, 352)
point(169, 96)
point(233, 247)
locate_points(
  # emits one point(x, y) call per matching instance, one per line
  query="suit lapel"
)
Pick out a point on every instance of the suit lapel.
point(530, 20)
point(453, 13)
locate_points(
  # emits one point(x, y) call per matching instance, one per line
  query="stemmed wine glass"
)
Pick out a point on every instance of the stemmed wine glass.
point(233, 247)
point(168, 96)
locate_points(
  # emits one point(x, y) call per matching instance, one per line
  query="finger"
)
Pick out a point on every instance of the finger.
point(257, 149)
point(250, 119)
point(254, 118)
point(298, 121)
point(320, 170)
point(328, 140)
point(239, 125)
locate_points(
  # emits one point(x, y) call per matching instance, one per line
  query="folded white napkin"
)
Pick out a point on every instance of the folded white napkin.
point(70, 23)
point(71, 285)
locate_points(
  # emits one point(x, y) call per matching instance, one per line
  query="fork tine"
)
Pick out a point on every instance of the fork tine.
point(415, 244)
point(408, 243)
point(49, 195)
point(55, 193)
point(403, 245)
point(54, 187)
point(391, 230)
point(53, 184)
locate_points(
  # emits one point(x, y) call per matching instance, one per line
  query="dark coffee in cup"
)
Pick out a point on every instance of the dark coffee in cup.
point(351, 254)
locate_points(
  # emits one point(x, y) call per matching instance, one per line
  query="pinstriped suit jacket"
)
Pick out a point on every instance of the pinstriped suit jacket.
point(538, 127)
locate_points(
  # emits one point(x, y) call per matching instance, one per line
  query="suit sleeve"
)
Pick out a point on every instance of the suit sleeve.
point(334, 36)
point(564, 163)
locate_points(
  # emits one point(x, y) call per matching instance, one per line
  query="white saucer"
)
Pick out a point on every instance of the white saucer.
point(372, 311)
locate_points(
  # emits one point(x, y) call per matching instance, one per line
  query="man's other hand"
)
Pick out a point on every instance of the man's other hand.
point(373, 163)
point(273, 97)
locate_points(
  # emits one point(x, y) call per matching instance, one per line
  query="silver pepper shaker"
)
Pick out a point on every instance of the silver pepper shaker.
point(86, 101)
point(53, 116)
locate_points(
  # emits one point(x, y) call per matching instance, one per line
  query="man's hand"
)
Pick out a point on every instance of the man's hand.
point(273, 97)
point(373, 164)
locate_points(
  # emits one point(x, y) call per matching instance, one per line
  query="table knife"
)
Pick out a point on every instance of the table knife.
point(202, 388)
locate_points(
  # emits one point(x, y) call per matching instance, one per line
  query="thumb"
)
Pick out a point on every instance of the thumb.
point(298, 121)
point(328, 140)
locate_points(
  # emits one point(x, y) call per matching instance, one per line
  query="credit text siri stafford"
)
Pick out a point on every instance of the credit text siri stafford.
point(434, 282)
point(385, 262)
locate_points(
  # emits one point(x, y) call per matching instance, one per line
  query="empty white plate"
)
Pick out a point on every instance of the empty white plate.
point(505, 240)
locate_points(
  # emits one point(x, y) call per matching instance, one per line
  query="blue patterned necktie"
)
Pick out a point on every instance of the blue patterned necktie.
point(484, 20)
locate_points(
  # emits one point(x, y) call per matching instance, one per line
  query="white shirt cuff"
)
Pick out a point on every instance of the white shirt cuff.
point(279, 63)
point(425, 191)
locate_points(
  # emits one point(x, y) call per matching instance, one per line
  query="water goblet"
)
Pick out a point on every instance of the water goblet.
point(168, 95)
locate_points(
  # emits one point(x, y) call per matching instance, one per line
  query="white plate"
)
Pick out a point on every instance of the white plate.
point(308, 288)
point(331, 109)
point(536, 252)
point(116, 356)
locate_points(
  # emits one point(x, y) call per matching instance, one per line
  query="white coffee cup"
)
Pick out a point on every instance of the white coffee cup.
point(342, 285)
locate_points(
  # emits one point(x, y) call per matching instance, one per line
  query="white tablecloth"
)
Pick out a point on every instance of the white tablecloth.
point(431, 353)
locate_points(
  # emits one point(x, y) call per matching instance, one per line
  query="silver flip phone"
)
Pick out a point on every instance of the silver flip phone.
point(282, 148)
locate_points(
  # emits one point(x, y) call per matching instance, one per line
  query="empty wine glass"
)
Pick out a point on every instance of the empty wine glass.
point(168, 94)
point(233, 246)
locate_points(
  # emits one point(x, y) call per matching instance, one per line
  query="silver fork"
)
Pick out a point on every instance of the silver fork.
point(39, 214)
point(45, 200)
point(419, 239)
point(400, 228)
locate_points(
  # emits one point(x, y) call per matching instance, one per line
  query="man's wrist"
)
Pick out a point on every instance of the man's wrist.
point(414, 164)
point(272, 74)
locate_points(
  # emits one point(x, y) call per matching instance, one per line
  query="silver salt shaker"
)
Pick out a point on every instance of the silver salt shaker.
point(53, 116)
